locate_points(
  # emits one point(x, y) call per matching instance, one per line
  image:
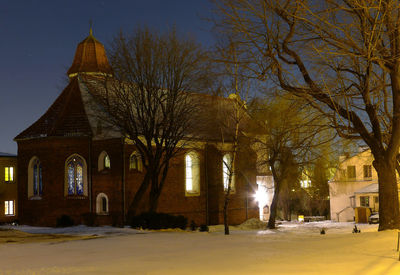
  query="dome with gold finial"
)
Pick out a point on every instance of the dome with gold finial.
point(90, 58)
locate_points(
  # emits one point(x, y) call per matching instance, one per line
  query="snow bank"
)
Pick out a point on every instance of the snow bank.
point(292, 248)
point(73, 230)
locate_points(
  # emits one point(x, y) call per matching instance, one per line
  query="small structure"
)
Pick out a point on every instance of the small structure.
point(8, 188)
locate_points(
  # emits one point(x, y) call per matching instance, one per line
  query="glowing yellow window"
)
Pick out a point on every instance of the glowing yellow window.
point(9, 174)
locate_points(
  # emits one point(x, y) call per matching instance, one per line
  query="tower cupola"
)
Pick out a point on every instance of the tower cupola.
point(90, 58)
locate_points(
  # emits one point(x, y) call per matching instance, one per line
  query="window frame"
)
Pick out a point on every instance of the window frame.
point(100, 203)
point(349, 169)
point(367, 171)
point(7, 208)
point(35, 178)
point(75, 194)
point(364, 201)
point(138, 162)
point(9, 174)
point(225, 171)
point(103, 162)
point(194, 174)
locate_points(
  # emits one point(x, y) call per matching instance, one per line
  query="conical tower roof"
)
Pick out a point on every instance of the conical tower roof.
point(90, 58)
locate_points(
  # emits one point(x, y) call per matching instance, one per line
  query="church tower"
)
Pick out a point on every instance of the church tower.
point(90, 58)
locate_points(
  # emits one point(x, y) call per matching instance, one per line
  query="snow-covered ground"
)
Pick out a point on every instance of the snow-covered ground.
point(294, 248)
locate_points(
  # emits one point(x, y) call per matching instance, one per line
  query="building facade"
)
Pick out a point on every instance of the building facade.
point(8, 188)
point(354, 186)
point(69, 165)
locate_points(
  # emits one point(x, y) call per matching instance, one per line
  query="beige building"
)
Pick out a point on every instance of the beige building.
point(8, 188)
point(354, 185)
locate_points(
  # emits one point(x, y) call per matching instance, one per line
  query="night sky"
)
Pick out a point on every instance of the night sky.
point(39, 38)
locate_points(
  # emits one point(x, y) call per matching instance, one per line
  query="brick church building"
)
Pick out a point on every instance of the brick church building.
point(67, 166)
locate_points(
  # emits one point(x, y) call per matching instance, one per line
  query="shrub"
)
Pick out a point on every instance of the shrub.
point(203, 228)
point(151, 220)
point(64, 221)
point(193, 226)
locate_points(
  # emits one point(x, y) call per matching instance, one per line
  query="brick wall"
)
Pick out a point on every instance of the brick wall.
point(53, 152)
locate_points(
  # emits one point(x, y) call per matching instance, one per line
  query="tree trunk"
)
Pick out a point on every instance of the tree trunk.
point(225, 210)
point(274, 204)
point(154, 193)
point(132, 211)
point(389, 217)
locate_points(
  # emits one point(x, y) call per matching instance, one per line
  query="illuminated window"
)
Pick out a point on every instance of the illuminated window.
point(102, 204)
point(35, 183)
point(227, 172)
point(305, 181)
point(367, 171)
point(135, 162)
point(9, 208)
point(364, 201)
point(192, 174)
point(103, 161)
point(76, 176)
point(351, 172)
point(9, 174)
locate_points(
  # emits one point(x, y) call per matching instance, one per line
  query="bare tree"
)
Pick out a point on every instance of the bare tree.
point(288, 135)
point(149, 100)
point(231, 125)
point(342, 57)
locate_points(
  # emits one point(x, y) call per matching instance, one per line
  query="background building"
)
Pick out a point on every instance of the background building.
point(354, 186)
point(8, 188)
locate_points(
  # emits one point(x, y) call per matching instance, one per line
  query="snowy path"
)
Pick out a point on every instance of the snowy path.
point(293, 249)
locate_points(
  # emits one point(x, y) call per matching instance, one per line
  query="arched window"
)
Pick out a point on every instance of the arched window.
point(102, 204)
point(103, 161)
point(192, 174)
point(35, 183)
point(135, 162)
point(228, 171)
point(76, 176)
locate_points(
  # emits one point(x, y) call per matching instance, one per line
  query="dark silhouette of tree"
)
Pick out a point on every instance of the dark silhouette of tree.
point(149, 100)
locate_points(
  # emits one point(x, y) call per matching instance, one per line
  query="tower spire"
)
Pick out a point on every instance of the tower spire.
point(90, 58)
point(90, 27)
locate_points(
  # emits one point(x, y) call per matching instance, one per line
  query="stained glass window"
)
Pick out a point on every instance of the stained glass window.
point(79, 179)
point(40, 180)
point(37, 178)
point(75, 176)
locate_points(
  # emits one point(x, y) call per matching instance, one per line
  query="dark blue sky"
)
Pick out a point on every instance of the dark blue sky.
point(39, 38)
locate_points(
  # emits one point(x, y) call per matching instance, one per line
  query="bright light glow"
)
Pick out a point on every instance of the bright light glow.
point(264, 195)
point(300, 218)
point(259, 196)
